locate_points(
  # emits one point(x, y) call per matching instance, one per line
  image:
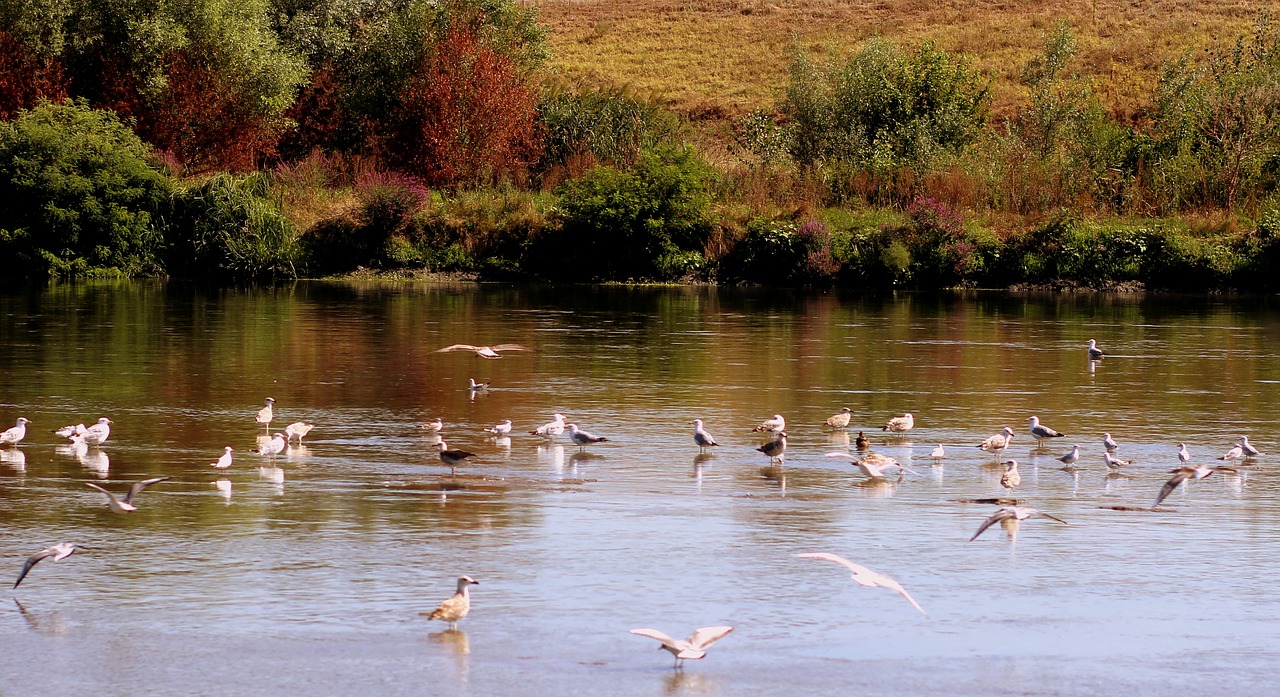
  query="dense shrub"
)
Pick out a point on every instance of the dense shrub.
point(77, 195)
point(230, 228)
point(610, 125)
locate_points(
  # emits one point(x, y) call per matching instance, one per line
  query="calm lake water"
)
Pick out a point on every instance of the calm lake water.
point(309, 577)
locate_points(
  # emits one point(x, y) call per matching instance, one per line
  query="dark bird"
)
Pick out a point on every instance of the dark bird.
point(775, 448)
point(452, 457)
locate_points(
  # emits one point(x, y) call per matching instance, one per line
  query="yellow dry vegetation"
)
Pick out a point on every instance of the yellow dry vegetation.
point(710, 58)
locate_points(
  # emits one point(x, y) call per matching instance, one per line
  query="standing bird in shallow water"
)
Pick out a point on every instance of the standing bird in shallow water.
point(125, 505)
point(502, 429)
point(1184, 455)
point(1040, 433)
point(693, 648)
point(456, 606)
point(273, 447)
point(702, 438)
point(862, 443)
point(1095, 353)
point(224, 461)
point(265, 414)
point(452, 457)
point(997, 443)
point(1109, 444)
point(938, 452)
point(1249, 450)
point(552, 428)
point(775, 448)
point(582, 438)
point(58, 552)
point(1070, 459)
point(1011, 513)
point(866, 577)
point(13, 435)
point(1235, 453)
point(1010, 479)
point(98, 433)
point(900, 424)
point(775, 425)
point(840, 421)
point(297, 429)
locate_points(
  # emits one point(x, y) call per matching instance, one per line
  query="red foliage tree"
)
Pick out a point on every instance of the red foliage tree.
point(26, 78)
point(464, 116)
point(321, 123)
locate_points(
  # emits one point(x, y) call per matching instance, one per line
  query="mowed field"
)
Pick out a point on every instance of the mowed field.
point(712, 59)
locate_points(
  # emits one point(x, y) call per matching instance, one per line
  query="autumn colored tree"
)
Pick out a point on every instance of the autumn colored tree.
point(26, 77)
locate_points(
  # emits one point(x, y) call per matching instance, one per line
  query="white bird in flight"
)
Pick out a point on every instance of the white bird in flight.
point(484, 351)
point(693, 648)
point(125, 505)
point(58, 552)
point(866, 577)
point(13, 435)
point(224, 461)
point(1011, 513)
point(900, 424)
point(456, 606)
point(775, 425)
point(1040, 433)
point(701, 437)
point(1181, 475)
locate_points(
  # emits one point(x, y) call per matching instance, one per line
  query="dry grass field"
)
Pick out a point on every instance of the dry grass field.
point(715, 58)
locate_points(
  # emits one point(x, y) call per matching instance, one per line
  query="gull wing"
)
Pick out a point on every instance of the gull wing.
point(667, 641)
point(835, 558)
point(509, 347)
point(139, 486)
point(706, 636)
point(457, 347)
point(1042, 514)
point(1177, 479)
point(110, 496)
point(867, 575)
point(1002, 514)
point(32, 561)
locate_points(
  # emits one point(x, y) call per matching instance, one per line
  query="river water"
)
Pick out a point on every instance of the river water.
point(307, 575)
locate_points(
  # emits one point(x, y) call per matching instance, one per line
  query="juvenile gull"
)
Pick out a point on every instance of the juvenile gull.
point(1249, 450)
point(1235, 453)
point(1109, 444)
point(98, 433)
point(265, 414)
point(582, 438)
point(862, 443)
point(452, 457)
point(702, 438)
point(297, 429)
point(775, 448)
point(552, 428)
point(938, 452)
point(1114, 463)
point(1041, 432)
point(873, 465)
point(58, 552)
point(1071, 458)
point(484, 351)
point(125, 505)
point(841, 420)
point(502, 429)
point(693, 648)
point(998, 442)
point(1010, 479)
point(273, 447)
point(1011, 513)
point(899, 424)
point(224, 461)
point(13, 435)
point(1184, 456)
point(1095, 353)
point(1181, 475)
point(433, 425)
point(775, 425)
point(866, 577)
point(456, 606)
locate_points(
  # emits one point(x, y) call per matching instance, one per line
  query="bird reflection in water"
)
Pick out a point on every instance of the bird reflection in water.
point(553, 455)
point(455, 642)
point(297, 452)
point(678, 682)
point(14, 458)
point(95, 461)
point(839, 438)
point(274, 475)
point(224, 489)
point(50, 623)
point(776, 474)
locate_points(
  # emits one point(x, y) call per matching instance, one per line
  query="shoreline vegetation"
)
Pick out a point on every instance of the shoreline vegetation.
point(498, 140)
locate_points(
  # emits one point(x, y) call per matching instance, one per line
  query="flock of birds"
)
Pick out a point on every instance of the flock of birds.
point(875, 466)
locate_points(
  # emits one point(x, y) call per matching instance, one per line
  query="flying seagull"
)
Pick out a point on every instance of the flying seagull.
point(1181, 475)
point(456, 606)
point(60, 551)
point(693, 648)
point(484, 351)
point(702, 438)
point(866, 577)
point(125, 505)
point(15, 434)
point(1011, 513)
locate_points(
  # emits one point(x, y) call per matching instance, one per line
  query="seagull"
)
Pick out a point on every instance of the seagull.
point(224, 461)
point(551, 429)
point(1114, 464)
point(862, 443)
point(273, 447)
point(1110, 445)
point(456, 606)
point(998, 442)
point(60, 551)
point(899, 424)
point(1071, 458)
point(1010, 479)
point(1095, 353)
point(775, 448)
point(702, 438)
point(1181, 475)
point(15, 434)
point(452, 457)
point(1235, 453)
point(1041, 432)
point(582, 438)
point(125, 505)
point(484, 351)
point(475, 386)
point(433, 425)
point(98, 433)
point(502, 429)
point(938, 452)
point(297, 429)
point(866, 577)
point(1184, 456)
point(692, 648)
point(841, 420)
point(872, 465)
point(1011, 513)
point(775, 425)
point(1249, 450)
point(71, 431)
point(265, 414)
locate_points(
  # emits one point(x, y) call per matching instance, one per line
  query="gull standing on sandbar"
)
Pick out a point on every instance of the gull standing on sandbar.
point(866, 577)
point(452, 457)
point(775, 425)
point(125, 505)
point(702, 438)
point(265, 414)
point(900, 424)
point(692, 648)
point(1095, 353)
point(456, 606)
point(490, 352)
point(840, 421)
point(58, 552)
point(1012, 513)
point(775, 448)
point(1040, 433)
point(13, 435)
point(582, 438)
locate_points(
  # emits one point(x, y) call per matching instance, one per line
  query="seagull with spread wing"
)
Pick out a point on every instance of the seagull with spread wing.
point(1012, 513)
point(693, 648)
point(490, 352)
point(866, 577)
point(125, 505)
point(58, 552)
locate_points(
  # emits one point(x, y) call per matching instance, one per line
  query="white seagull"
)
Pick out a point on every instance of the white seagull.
point(1109, 444)
point(125, 505)
point(433, 425)
point(224, 461)
point(1181, 475)
point(297, 429)
point(1184, 456)
point(1249, 450)
point(872, 465)
point(841, 420)
point(1113, 463)
point(866, 577)
point(693, 648)
point(1041, 432)
point(265, 414)
point(98, 433)
point(58, 552)
point(900, 424)
point(582, 438)
point(456, 606)
point(552, 428)
point(502, 429)
point(71, 431)
point(273, 447)
point(775, 425)
point(702, 438)
point(775, 448)
point(15, 434)
point(1071, 458)
point(938, 452)
point(490, 352)
point(1011, 513)
point(475, 386)
point(1095, 353)
point(1235, 453)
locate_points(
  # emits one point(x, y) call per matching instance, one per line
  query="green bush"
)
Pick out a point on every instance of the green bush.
point(612, 125)
point(230, 228)
point(77, 196)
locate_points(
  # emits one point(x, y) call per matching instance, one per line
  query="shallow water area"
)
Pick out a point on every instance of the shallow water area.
point(308, 572)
